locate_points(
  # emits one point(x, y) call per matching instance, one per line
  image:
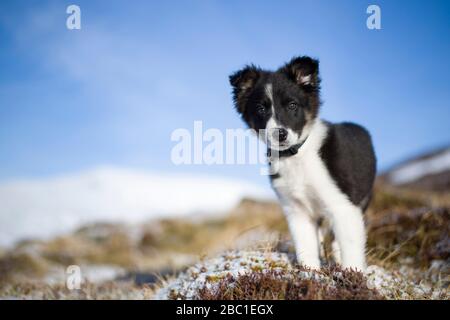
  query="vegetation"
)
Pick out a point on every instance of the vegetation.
point(408, 234)
point(291, 285)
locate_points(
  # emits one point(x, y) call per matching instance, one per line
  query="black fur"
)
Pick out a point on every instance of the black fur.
point(249, 93)
point(350, 159)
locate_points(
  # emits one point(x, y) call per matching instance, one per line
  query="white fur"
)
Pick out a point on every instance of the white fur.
point(307, 192)
point(269, 93)
point(272, 124)
point(305, 79)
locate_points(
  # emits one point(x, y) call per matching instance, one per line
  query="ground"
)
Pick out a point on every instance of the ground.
point(245, 254)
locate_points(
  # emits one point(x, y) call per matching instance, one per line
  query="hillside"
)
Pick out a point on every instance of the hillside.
point(236, 246)
point(47, 207)
point(428, 171)
point(408, 243)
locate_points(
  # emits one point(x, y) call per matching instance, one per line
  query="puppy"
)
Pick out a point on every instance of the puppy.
point(319, 169)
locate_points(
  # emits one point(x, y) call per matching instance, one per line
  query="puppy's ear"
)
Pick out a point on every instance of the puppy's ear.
point(243, 81)
point(304, 71)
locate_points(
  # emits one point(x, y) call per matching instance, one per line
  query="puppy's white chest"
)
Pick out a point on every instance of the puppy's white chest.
point(297, 180)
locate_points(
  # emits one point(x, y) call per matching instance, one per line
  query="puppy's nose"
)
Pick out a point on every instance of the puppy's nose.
point(280, 134)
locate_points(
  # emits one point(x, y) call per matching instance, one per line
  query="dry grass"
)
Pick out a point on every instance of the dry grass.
point(213, 235)
point(23, 265)
point(421, 234)
point(88, 291)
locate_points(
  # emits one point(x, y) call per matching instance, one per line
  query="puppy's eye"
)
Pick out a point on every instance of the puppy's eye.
point(261, 109)
point(292, 106)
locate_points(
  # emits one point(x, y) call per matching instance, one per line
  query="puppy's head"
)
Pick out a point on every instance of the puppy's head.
point(283, 103)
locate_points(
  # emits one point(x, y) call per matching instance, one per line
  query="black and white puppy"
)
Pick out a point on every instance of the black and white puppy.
point(323, 170)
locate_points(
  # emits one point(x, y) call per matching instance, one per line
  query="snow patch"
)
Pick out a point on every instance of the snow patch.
point(420, 168)
point(208, 273)
point(47, 207)
point(232, 263)
point(395, 285)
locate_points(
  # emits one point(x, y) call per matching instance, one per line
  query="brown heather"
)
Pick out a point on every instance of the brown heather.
point(290, 285)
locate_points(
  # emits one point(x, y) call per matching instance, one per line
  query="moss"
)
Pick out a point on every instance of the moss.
point(214, 278)
point(277, 264)
point(256, 268)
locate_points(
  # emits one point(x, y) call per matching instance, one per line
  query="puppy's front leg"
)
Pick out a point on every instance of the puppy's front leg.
point(304, 233)
point(348, 226)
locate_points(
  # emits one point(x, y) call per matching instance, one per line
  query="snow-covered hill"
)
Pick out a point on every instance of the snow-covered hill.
point(427, 171)
point(46, 207)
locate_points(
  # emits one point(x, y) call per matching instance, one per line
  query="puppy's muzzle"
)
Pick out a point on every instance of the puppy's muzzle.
point(279, 134)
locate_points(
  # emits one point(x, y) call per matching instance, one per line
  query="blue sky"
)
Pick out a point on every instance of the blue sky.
point(112, 92)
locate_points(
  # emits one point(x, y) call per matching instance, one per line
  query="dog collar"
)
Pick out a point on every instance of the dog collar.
point(286, 153)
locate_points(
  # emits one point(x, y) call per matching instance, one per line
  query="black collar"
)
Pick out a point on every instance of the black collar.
point(286, 153)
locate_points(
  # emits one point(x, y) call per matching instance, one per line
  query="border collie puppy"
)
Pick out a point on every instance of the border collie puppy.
point(320, 170)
